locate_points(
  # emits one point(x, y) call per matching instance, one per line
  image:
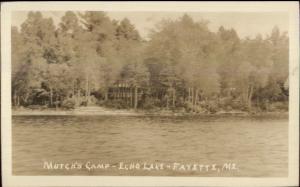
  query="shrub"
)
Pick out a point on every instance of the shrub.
point(150, 103)
point(279, 106)
point(68, 104)
point(237, 104)
point(212, 107)
point(37, 107)
point(118, 104)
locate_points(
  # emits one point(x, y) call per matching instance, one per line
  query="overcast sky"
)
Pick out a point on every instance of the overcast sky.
point(246, 24)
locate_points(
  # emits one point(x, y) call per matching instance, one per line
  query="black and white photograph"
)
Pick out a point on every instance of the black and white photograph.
point(150, 93)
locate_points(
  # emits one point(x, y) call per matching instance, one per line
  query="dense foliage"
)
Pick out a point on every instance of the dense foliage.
point(90, 59)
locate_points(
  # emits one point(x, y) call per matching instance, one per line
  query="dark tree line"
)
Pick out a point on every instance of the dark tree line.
point(90, 59)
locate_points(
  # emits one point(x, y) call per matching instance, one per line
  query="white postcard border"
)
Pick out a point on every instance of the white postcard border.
point(9, 180)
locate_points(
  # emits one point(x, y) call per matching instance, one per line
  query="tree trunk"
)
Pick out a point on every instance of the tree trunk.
point(115, 93)
point(89, 94)
point(127, 95)
point(167, 102)
point(189, 97)
point(124, 93)
point(51, 96)
point(249, 102)
point(196, 98)
point(120, 93)
point(56, 102)
point(174, 95)
point(78, 97)
point(73, 91)
point(15, 99)
point(87, 89)
point(192, 97)
point(25, 98)
point(18, 101)
point(131, 97)
point(106, 94)
point(135, 97)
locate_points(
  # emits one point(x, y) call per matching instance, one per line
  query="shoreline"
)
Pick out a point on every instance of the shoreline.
point(99, 111)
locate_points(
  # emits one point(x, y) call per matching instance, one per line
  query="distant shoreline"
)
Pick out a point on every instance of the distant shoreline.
point(116, 112)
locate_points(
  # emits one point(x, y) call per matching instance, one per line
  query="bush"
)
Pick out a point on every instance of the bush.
point(150, 103)
point(237, 104)
point(37, 107)
point(212, 107)
point(278, 106)
point(226, 104)
point(188, 106)
point(68, 104)
point(202, 107)
point(118, 104)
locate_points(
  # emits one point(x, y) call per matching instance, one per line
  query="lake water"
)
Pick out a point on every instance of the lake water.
point(246, 147)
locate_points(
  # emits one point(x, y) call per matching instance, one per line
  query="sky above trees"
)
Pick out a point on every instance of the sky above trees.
point(247, 24)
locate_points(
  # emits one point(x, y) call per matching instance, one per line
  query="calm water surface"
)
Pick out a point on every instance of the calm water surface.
point(258, 146)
